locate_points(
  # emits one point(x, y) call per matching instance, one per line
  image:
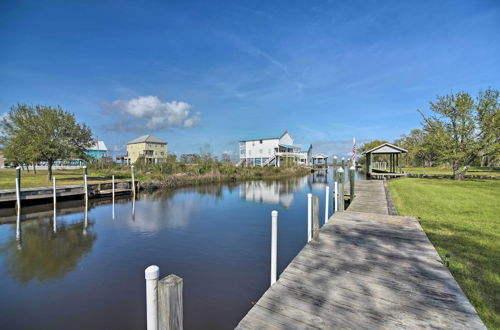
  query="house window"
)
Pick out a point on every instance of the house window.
point(260, 151)
point(260, 141)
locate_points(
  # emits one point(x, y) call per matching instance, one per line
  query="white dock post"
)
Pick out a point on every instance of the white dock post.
point(133, 180)
point(18, 209)
point(309, 217)
point(113, 195)
point(55, 201)
point(274, 245)
point(335, 197)
point(85, 187)
point(327, 197)
point(152, 274)
point(18, 188)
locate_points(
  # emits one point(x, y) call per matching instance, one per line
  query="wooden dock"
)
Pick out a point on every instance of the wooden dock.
point(369, 270)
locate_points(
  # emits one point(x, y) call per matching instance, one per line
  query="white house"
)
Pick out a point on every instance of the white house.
point(273, 151)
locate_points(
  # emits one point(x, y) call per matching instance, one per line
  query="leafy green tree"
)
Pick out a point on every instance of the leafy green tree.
point(367, 146)
point(452, 132)
point(488, 121)
point(419, 151)
point(43, 133)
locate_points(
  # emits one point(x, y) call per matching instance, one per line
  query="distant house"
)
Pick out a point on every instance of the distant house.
point(97, 151)
point(273, 151)
point(148, 147)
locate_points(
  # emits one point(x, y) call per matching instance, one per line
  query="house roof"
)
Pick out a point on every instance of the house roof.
point(289, 146)
point(386, 148)
point(98, 145)
point(268, 138)
point(320, 155)
point(147, 138)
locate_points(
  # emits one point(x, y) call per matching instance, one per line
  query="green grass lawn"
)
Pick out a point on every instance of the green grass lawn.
point(446, 170)
point(461, 218)
point(63, 178)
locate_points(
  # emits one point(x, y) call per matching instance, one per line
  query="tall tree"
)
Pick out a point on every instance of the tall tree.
point(488, 122)
point(452, 132)
point(43, 133)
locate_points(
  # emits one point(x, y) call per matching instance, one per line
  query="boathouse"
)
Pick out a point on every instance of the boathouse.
point(384, 161)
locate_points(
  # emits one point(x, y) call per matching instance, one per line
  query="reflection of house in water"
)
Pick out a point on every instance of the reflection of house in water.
point(318, 179)
point(273, 192)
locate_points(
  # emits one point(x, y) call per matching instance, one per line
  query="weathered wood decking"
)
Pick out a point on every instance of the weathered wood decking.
point(369, 270)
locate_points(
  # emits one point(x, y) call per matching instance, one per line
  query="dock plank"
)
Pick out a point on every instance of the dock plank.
point(369, 270)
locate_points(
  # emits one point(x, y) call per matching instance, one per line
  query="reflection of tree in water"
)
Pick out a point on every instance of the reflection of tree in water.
point(45, 255)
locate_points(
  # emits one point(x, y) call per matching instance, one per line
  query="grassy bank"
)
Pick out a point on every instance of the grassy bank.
point(461, 218)
point(190, 175)
point(449, 171)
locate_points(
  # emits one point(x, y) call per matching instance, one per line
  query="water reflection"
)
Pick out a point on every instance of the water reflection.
point(45, 255)
point(272, 192)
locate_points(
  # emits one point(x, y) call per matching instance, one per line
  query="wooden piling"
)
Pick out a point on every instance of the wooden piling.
point(351, 182)
point(170, 308)
point(315, 219)
point(340, 180)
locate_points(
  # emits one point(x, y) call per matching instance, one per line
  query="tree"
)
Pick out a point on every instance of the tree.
point(226, 157)
point(452, 131)
point(368, 146)
point(419, 151)
point(43, 133)
point(488, 121)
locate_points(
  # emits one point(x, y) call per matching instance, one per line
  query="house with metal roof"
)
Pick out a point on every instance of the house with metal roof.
point(149, 148)
point(272, 151)
point(97, 151)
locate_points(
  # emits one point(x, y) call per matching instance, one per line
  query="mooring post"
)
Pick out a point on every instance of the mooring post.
point(316, 219)
point(335, 197)
point(334, 161)
point(309, 217)
point(274, 245)
point(85, 186)
point(152, 274)
point(133, 180)
point(340, 178)
point(170, 310)
point(327, 199)
point(351, 182)
point(113, 195)
point(55, 202)
point(18, 188)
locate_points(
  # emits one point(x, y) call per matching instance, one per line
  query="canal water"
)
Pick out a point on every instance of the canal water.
point(89, 273)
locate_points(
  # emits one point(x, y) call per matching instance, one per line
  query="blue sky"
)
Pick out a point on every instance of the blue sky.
point(216, 72)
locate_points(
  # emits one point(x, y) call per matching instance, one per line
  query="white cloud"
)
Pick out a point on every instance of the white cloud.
point(149, 112)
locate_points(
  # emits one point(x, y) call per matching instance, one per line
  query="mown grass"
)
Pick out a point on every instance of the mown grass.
point(461, 218)
point(449, 171)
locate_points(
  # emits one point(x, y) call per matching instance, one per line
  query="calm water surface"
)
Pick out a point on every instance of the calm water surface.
point(90, 273)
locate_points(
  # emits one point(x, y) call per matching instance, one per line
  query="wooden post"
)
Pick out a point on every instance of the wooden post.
point(113, 195)
point(309, 217)
point(133, 180)
point(340, 179)
point(170, 309)
point(152, 273)
point(316, 219)
point(274, 245)
point(327, 199)
point(335, 196)
point(351, 182)
point(55, 202)
point(334, 161)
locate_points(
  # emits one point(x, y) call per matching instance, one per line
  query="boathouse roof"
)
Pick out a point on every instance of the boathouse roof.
point(386, 148)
